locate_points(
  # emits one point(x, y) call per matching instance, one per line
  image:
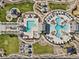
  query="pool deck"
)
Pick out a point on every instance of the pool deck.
point(33, 26)
point(60, 28)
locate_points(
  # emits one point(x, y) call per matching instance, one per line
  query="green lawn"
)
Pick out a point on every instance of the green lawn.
point(9, 43)
point(54, 6)
point(38, 49)
point(24, 7)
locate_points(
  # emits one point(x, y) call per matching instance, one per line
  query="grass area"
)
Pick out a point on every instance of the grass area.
point(9, 43)
point(54, 6)
point(38, 49)
point(24, 7)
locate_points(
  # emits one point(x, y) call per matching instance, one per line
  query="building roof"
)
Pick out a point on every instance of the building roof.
point(71, 50)
point(47, 28)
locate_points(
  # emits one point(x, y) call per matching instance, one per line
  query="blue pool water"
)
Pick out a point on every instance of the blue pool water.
point(58, 20)
point(30, 24)
point(59, 27)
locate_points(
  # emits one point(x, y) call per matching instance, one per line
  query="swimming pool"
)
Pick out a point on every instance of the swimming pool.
point(30, 24)
point(58, 32)
point(59, 27)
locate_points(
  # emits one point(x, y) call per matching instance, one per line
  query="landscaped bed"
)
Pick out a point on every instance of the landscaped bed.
point(24, 7)
point(54, 6)
point(39, 49)
point(9, 43)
